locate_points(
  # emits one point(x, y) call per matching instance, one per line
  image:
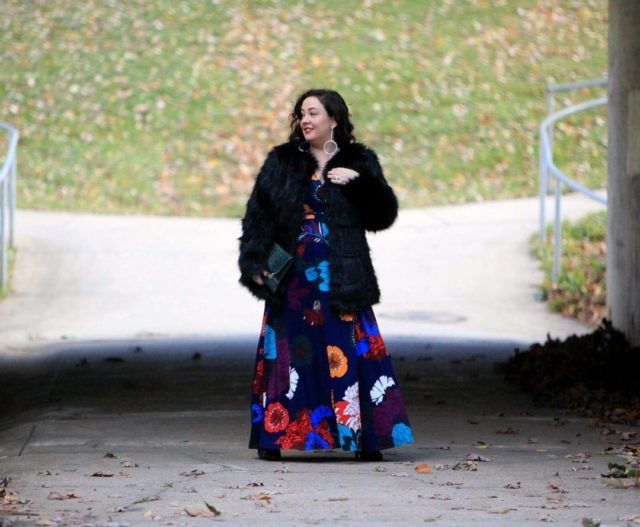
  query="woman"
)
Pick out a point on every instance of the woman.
point(323, 377)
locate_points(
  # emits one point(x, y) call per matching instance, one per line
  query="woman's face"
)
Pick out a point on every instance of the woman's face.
point(315, 122)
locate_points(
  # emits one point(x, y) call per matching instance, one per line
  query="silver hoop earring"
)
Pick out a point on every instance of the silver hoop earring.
point(332, 149)
point(308, 146)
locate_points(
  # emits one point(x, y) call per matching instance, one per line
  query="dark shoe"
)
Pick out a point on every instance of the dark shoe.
point(269, 454)
point(374, 455)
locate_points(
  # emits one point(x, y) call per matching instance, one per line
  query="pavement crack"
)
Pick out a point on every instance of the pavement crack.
point(26, 442)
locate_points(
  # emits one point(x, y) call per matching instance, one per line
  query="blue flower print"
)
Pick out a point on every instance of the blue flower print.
point(369, 326)
point(362, 347)
point(401, 434)
point(315, 442)
point(257, 413)
point(319, 272)
point(319, 414)
point(348, 438)
point(270, 349)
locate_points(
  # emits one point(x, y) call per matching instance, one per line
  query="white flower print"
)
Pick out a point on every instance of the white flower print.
point(352, 397)
point(380, 387)
point(293, 382)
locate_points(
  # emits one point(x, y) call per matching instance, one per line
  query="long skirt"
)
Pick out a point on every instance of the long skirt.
point(321, 380)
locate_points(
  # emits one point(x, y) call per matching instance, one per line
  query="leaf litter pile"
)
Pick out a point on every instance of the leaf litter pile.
point(595, 374)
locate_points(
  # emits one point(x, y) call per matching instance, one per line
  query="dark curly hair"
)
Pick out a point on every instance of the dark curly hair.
point(335, 106)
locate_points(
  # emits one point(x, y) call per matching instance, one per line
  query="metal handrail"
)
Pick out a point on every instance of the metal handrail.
point(547, 165)
point(8, 174)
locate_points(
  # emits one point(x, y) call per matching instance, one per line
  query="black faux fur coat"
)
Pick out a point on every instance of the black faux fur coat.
point(275, 210)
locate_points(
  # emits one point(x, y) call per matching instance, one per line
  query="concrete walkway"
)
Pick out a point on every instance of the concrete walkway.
point(455, 271)
point(125, 362)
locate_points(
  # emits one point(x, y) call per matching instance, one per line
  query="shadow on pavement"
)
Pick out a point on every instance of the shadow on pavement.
point(148, 431)
point(200, 374)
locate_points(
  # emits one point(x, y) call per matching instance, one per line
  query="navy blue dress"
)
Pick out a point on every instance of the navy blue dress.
point(322, 381)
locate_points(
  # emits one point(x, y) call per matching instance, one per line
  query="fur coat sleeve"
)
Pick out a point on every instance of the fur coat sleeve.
point(370, 193)
point(258, 229)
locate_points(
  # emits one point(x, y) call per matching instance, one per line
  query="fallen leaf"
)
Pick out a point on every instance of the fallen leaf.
point(507, 431)
point(101, 474)
point(146, 499)
point(501, 511)
point(423, 469)
point(477, 457)
point(556, 488)
point(515, 485)
point(262, 496)
point(465, 464)
point(438, 497)
point(212, 509)
point(110, 455)
point(194, 473)
point(54, 495)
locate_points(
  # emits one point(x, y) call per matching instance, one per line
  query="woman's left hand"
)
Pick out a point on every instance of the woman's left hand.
point(341, 175)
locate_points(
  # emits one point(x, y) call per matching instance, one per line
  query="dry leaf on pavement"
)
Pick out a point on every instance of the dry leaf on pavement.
point(477, 457)
point(55, 495)
point(424, 468)
point(194, 472)
point(507, 431)
point(465, 464)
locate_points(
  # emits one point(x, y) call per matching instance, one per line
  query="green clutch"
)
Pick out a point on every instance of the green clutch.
point(278, 264)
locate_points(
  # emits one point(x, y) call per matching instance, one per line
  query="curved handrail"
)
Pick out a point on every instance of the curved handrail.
point(8, 175)
point(548, 153)
point(547, 164)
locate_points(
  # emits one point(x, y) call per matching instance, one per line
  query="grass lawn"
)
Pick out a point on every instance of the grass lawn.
point(168, 107)
point(580, 289)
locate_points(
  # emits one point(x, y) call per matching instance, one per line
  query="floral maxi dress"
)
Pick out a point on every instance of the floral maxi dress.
point(322, 381)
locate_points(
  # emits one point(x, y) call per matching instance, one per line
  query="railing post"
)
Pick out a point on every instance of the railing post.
point(12, 199)
point(548, 168)
point(557, 231)
point(4, 257)
point(544, 186)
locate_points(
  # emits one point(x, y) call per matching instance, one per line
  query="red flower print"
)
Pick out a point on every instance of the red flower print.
point(264, 325)
point(296, 433)
point(324, 432)
point(377, 348)
point(276, 418)
point(340, 409)
point(258, 384)
point(313, 317)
